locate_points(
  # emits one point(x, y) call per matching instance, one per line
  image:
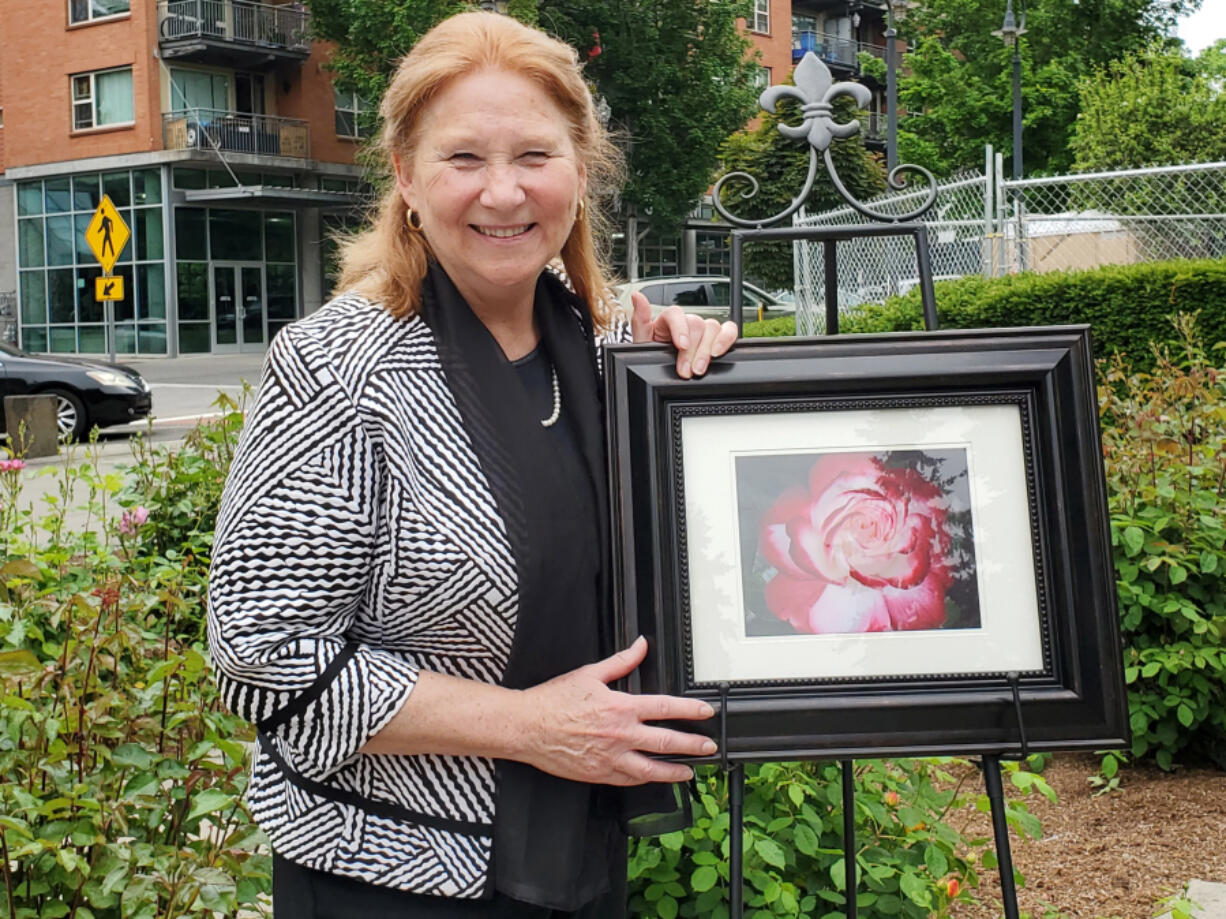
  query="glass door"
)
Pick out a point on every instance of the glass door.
point(238, 307)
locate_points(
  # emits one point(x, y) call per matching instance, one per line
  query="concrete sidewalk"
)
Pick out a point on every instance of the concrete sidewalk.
point(1208, 899)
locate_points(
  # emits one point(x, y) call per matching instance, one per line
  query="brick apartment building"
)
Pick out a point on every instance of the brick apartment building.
point(215, 130)
point(214, 127)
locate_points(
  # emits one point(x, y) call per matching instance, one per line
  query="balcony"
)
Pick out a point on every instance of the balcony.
point(232, 33)
point(837, 52)
point(873, 126)
point(235, 132)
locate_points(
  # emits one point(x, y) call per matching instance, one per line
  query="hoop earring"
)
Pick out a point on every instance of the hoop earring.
point(579, 215)
point(408, 219)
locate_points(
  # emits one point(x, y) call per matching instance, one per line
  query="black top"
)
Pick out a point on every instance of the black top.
point(556, 843)
point(555, 840)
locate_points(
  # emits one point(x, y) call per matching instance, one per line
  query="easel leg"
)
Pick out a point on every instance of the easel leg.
point(1000, 828)
point(849, 835)
point(736, 823)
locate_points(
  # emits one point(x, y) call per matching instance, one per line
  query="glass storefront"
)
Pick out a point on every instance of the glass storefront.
point(235, 270)
point(56, 270)
point(236, 274)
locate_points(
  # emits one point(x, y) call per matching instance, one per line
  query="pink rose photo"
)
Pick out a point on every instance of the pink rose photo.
point(839, 543)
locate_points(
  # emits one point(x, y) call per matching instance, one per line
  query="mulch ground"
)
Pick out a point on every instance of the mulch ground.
point(1117, 854)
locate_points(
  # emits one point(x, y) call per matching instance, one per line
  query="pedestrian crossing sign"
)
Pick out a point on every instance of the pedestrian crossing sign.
point(107, 234)
point(108, 288)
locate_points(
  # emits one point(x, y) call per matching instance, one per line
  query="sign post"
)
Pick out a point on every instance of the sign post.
point(106, 235)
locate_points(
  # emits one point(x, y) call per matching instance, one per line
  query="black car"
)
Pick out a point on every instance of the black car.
point(87, 392)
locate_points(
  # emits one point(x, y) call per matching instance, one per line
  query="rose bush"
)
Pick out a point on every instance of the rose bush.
point(866, 548)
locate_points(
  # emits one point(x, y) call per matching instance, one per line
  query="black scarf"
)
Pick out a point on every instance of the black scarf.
point(510, 443)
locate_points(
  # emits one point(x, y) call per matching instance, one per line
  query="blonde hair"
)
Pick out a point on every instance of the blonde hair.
point(387, 262)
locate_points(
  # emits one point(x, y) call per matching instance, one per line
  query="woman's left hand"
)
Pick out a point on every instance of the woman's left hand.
point(697, 340)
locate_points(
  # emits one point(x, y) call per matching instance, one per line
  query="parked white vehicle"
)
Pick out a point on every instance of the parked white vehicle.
point(704, 295)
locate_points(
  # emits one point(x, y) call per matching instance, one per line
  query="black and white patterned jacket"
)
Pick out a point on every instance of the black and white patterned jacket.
point(359, 541)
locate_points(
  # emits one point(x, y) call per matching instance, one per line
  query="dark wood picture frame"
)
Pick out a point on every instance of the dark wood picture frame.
point(1067, 694)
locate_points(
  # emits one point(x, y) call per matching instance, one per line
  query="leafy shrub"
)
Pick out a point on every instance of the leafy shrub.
point(770, 328)
point(1126, 306)
point(1164, 443)
point(181, 488)
point(911, 862)
point(121, 775)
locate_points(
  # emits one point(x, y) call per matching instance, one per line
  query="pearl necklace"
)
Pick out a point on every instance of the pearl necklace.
point(557, 401)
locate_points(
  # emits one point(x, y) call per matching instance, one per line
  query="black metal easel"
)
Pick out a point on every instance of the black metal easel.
point(814, 90)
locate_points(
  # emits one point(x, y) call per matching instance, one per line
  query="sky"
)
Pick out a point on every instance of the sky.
point(1203, 28)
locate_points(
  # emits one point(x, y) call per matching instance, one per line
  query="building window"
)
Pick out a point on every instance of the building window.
point(56, 270)
point(350, 114)
point(762, 16)
point(89, 10)
point(102, 98)
point(761, 79)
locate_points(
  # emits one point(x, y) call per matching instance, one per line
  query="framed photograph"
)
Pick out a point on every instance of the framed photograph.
point(871, 545)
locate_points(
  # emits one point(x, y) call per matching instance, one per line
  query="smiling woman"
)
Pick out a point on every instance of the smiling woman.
point(410, 595)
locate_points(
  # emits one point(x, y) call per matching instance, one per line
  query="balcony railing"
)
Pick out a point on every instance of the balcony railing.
point(872, 125)
point(235, 132)
point(241, 22)
point(833, 49)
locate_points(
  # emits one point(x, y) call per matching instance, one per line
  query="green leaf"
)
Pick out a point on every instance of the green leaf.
point(19, 568)
point(805, 840)
point(1208, 562)
point(19, 664)
point(889, 905)
point(704, 878)
point(1134, 540)
point(1185, 715)
point(667, 907)
point(915, 889)
point(838, 874)
point(796, 794)
point(771, 852)
point(935, 859)
point(673, 841)
point(209, 801)
point(1178, 574)
point(132, 756)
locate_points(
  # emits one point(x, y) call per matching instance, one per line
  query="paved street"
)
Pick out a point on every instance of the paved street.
point(184, 388)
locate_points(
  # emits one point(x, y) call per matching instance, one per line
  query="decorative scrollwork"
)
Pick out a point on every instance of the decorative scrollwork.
point(816, 92)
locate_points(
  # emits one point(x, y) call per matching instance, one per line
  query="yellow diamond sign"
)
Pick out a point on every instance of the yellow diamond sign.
point(107, 234)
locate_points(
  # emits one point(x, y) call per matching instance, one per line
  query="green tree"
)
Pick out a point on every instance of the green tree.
point(1152, 108)
point(371, 36)
point(780, 164)
point(956, 83)
point(1211, 64)
point(677, 78)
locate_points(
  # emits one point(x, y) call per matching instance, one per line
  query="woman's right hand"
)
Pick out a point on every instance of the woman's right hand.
point(581, 729)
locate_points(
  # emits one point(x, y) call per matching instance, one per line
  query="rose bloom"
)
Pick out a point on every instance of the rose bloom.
point(864, 549)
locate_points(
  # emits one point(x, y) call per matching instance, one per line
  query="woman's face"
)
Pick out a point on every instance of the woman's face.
point(496, 183)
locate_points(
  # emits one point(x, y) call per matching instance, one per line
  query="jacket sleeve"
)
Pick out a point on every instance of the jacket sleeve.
point(292, 566)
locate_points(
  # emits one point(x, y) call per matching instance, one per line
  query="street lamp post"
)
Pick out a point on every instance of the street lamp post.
point(891, 81)
point(1010, 32)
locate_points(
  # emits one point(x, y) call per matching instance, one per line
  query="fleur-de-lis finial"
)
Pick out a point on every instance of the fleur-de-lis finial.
point(816, 92)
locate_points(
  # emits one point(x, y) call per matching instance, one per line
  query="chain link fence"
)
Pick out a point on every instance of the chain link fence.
point(985, 224)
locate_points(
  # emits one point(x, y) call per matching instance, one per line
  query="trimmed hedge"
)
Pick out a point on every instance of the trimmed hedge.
point(1126, 306)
